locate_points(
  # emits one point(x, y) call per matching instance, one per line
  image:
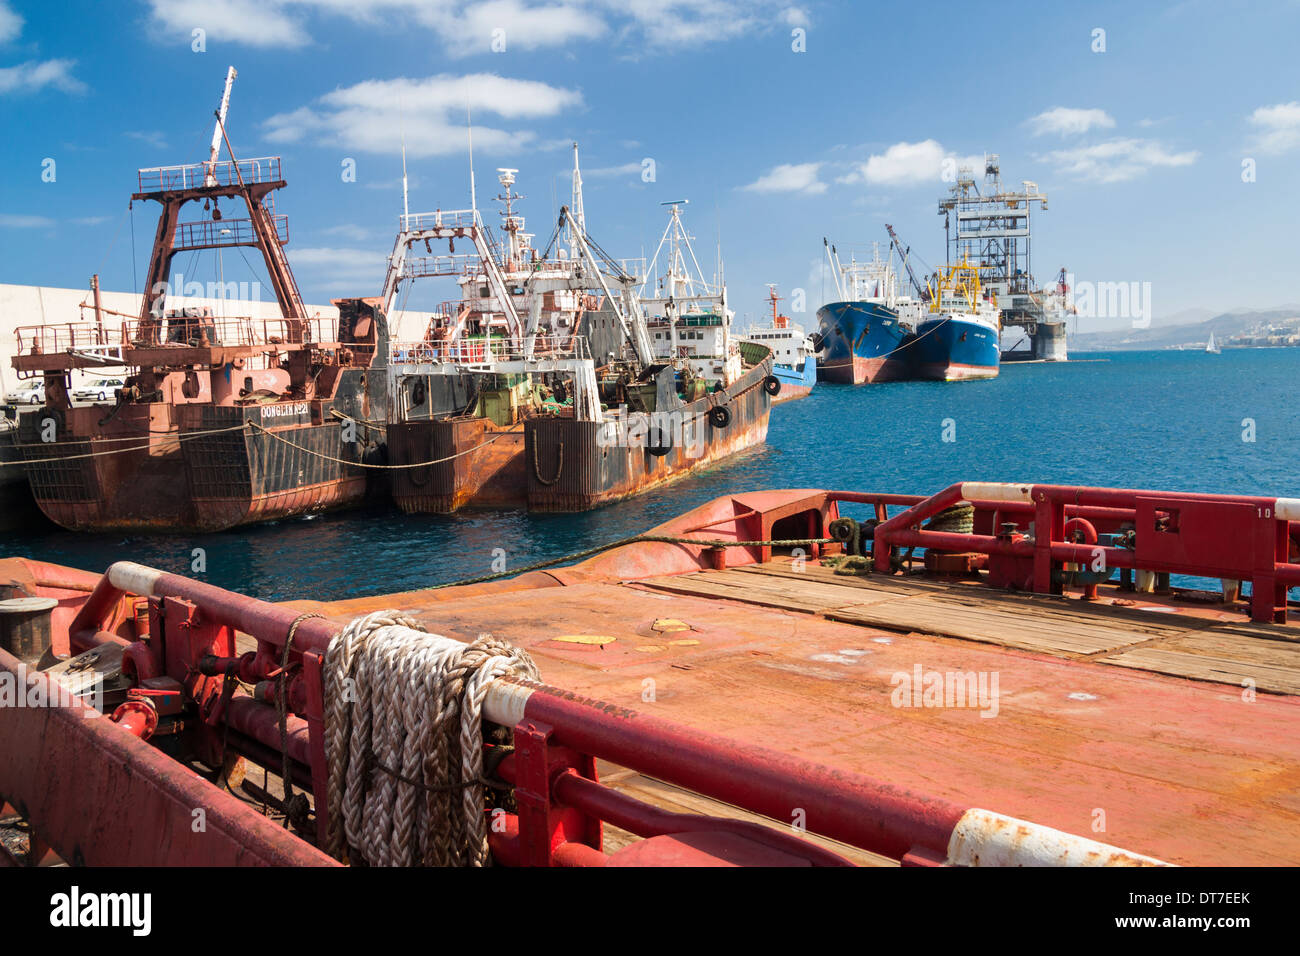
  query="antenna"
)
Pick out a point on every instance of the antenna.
point(578, 216)
point(406, 208)
point(473, 198)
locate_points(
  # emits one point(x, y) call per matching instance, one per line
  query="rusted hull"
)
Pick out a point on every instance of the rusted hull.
point(109, 489)
point(572, 466)
point(863, 371)
point(790, 392)
point(476, 464)
point(250, 475)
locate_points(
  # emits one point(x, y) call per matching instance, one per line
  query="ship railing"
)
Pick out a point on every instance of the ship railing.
point(156, 179)
point(438, 219)
point(423, 267)
point(90, 338)
point(1035, 536)
point(561, 735)
point(213, 234)
point(489, 350)
point(66, 337)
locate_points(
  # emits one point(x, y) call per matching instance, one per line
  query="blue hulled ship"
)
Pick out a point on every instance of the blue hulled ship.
point(958, 338)
point(862, 338)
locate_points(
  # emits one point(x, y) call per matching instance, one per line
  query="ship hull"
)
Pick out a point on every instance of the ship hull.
point(862, 343)
point(474, 464)
point(578, 465)
point(106, 469)
point(281, 464)
point(795, 382)
point(955, 350)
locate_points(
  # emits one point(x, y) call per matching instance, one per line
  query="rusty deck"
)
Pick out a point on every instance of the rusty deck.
point(1128, 723)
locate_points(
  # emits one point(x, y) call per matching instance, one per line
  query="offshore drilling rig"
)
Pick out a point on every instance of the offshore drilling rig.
point(990, 226)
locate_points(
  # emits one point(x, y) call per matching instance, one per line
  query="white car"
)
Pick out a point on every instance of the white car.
point(30, 392)
point(100, 391)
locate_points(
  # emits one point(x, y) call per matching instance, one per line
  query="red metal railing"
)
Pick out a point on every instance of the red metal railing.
point(1238, 537)
point(265, 169)
point(230, 331)
point(213, 234)
point(558, 738)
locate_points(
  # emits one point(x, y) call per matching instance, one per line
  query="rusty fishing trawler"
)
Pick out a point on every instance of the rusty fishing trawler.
point(667, 408)
point(765, 680)
point(573, 407)
point(223, 420)
point(509, 349)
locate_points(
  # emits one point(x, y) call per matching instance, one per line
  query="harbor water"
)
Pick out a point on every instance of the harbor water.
point(1176, 421)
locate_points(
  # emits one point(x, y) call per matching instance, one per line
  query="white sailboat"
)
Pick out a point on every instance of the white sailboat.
point(1211, 346)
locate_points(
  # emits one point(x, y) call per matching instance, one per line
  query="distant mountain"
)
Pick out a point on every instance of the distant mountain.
point(1194, 329)
point(1185, 317)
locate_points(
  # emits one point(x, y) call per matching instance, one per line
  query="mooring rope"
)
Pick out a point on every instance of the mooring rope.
point(905, 345)
point(362, 464)
point(404, 741)
point(559, 464)
point(146, 444)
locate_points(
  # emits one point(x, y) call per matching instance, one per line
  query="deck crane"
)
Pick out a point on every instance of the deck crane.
point(922, 292)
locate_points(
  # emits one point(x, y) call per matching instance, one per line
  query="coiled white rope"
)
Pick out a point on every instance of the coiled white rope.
point(404, 741)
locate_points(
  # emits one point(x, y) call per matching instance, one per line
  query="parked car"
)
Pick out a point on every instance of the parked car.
point(100, 391)
point(30, 392)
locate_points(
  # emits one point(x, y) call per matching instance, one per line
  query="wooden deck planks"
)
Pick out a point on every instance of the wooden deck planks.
point(793, 594)
point(1044, 629)
point(1222, 657)
point(1180, 645)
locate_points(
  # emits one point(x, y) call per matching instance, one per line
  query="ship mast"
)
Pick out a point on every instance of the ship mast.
point(214, 151)
point(578, 216)
point(253, 181)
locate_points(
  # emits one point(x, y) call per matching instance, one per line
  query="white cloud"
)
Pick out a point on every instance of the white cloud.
point(466, 28)
point(249, 22)
point(1065, 121)
point(907, 164)
point(521, 25)
point(1117, 160)
point(371, 117)
point(32, 76)
point(1278, 127)
point(10, 221)
point(11, 24)
point(91, 220)
point(795, 17)
point(787, 178)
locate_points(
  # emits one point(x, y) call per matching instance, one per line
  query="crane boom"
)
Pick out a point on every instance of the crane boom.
point(922, 292)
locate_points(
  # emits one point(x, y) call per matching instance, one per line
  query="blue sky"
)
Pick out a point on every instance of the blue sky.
point(1140, 147)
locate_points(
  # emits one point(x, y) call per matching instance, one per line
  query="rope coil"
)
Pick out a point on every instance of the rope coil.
point(404, 741)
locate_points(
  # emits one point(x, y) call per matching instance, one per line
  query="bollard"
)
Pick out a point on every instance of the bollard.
point(25, 627)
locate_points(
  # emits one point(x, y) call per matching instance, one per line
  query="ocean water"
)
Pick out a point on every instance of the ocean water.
point(1175, 421)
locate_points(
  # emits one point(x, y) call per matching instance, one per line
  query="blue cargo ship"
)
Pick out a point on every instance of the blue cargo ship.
point(862, 338)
